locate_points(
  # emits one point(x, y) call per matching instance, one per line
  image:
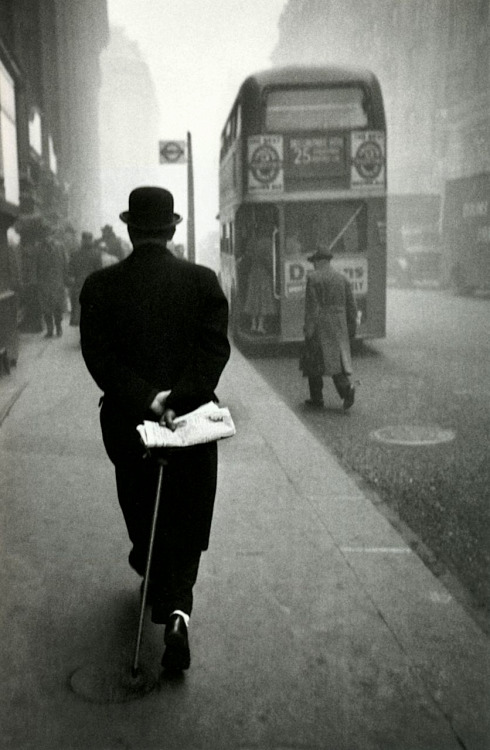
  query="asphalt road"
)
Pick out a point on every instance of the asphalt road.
point(428, 382)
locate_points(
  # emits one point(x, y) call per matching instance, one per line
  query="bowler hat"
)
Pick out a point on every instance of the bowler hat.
point(150, 208)
point(321, 253)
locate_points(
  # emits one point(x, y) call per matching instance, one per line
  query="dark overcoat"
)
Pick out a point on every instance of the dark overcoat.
point(83, 262)
point(155, 322)
point(330, 323)
point(51, 275)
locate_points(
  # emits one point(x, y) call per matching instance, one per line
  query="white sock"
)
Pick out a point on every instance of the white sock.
point(182, 614)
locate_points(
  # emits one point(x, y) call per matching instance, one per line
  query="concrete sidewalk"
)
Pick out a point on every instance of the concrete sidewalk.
point(32, 346)
point(315, 625)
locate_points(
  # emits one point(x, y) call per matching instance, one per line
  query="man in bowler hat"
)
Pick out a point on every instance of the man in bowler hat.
point(330, 326)
point(154, 338)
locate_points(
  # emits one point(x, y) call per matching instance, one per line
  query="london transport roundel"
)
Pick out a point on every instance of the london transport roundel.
point(265, 163)
point(368, 160)
point(172, 152)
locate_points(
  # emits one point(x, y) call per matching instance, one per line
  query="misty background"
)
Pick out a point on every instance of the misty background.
point(172, 68)
point(175, 67)
point(88, 88)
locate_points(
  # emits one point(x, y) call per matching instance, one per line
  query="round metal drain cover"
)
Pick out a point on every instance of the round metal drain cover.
point(413, 435)
point(114, 684)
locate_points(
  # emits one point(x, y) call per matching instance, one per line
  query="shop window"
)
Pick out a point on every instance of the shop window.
point(9, 166)
point(35, 134)
point(53, 161)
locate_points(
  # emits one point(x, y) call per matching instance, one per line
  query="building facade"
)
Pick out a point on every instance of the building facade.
point(432, 58)
point(129, 125)
point(49, 160)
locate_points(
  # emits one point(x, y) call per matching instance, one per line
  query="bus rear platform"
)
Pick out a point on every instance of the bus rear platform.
point(315, 626)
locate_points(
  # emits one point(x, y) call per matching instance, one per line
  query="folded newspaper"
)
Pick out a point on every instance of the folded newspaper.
point(203, 425)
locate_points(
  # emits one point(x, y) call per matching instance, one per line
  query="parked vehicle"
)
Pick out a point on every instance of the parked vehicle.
point(466, 233)
point(419, 261)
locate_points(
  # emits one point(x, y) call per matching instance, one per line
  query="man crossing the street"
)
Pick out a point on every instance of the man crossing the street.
point(330, 326)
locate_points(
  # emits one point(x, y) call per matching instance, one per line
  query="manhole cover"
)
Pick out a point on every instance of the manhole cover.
point(114, 684)
point(413, 435)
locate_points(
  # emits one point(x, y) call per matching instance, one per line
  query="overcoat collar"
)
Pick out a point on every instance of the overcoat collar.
point(151, 247)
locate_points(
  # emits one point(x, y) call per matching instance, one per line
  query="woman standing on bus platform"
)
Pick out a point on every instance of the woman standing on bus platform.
point(259, 302)
point(330, 326)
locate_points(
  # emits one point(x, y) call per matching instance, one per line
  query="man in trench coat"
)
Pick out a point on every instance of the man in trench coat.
point(330, 325)
point(154, 337)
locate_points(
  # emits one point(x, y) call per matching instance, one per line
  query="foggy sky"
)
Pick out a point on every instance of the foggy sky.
point(198, 52)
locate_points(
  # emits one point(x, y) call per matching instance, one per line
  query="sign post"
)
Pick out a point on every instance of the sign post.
point(172, 152)
point(191, 231)
point(180, 152)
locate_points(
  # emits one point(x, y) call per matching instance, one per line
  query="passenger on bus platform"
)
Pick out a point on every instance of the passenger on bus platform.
point(330, 326)
point(259, 302)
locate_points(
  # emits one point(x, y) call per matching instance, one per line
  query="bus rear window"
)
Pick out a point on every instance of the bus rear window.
point(315, 109)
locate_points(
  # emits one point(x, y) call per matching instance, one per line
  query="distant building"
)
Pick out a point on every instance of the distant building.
point(432, 58)
point(401, 43)
point(129, 125)
point(464, 151)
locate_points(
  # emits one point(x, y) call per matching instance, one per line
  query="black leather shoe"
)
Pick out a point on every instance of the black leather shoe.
point(349, 399)
point(177, 655)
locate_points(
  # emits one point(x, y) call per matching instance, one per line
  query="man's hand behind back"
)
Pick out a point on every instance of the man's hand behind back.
point(167, 416)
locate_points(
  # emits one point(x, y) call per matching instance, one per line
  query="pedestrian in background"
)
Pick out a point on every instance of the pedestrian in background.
point(154, 337)
point(106, 258)
point(330, 326)
point(52, 280)
point(113, 243)
point(32, 231)
point(83, 262)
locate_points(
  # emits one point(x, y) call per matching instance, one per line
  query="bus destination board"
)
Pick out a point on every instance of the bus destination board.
point(316, 157)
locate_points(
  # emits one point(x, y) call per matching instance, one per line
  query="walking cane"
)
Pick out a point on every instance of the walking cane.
point(115, 684)
point(146, 580)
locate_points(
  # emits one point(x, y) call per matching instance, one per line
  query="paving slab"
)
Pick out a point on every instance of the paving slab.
point(315, 626)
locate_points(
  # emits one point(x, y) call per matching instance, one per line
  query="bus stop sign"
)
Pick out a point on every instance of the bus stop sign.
point(172, 152)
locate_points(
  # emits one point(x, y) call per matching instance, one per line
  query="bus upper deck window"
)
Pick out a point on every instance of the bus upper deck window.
point(327, 108)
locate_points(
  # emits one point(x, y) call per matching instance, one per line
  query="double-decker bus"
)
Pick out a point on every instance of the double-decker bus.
point(302, 166)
